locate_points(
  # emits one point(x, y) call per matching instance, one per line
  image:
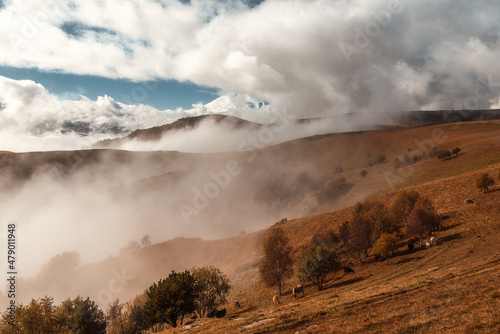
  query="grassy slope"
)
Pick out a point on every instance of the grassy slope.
point(452, 287)
point(428, 290)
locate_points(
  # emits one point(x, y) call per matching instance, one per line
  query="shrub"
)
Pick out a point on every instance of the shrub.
point(444, 154)
point(315, 263)
point(339, 170)
point(327, 239)
point(381, 159)
point(333, 188)
point(364, 173)
point(386, 245)
point(484, 181)
point(456, 150)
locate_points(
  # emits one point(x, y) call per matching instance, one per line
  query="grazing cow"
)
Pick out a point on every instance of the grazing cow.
point(433, 241)
point(221, 313)
point(298, 289)
point(348, 270)
point(276, 299)
point(410, 246)
point(469, 201)
point(237, 304)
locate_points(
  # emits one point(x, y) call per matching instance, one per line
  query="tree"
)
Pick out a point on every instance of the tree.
point(456, 150)
point(382, 220)
point(87, 318)
point(444, 154)
point(171, 299)
point(124, 318)
point(146, 241)
point(114, 318)
point(386, 245)
point(39, 316)
point(344, 231)
point(277, 262)
point(423, 218)
point(213, 290)
point(328, 239)
point(315, 263)
point(358, 239)
point(404, 204)
point(484, 181)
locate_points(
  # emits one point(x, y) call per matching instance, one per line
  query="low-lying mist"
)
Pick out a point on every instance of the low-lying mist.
point(78, 207)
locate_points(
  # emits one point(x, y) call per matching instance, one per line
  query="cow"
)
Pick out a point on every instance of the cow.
point(298, 289)
point(433, 241)
point(276, 299)
point(221, 313)
point(469, 201)
point(348, 270)
point(212, 313)
point(411, 246)
point(237, 304)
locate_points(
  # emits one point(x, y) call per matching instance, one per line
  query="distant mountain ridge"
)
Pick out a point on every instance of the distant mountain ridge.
point(187, 123)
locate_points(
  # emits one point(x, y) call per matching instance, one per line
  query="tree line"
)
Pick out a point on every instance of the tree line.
point(169, 301)
point(375, 229)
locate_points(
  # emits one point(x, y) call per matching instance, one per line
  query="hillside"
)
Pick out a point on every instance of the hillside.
point(452, 287)
point(284, 179)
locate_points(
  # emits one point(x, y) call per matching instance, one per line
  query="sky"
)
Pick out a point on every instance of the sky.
point(111, 66)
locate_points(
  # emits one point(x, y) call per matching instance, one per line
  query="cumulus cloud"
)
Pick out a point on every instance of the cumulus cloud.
point(312, 57)
point(32, 119)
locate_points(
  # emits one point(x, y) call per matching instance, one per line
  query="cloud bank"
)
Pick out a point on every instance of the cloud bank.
point(314, 57)
point(311, 58)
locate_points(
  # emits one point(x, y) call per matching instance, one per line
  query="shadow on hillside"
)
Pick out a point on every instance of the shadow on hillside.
point(241, 311)
point(411, 259)
point(348, 282)
point(449, 227)
point(450, 237)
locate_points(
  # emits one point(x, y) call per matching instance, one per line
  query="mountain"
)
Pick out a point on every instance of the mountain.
point(184, 124)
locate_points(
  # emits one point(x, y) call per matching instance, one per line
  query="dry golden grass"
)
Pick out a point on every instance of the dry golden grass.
point(452, 287)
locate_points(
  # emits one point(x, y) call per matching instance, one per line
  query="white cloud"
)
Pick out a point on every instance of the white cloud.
point(31, 119)
point(311, 57)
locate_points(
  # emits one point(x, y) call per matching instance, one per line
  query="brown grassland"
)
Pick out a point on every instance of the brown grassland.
point(452, 287)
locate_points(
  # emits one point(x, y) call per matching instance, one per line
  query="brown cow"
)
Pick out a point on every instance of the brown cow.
point(276, 299)
point(298, 289)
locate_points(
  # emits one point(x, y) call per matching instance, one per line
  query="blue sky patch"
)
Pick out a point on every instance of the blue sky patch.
point(162, 94)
